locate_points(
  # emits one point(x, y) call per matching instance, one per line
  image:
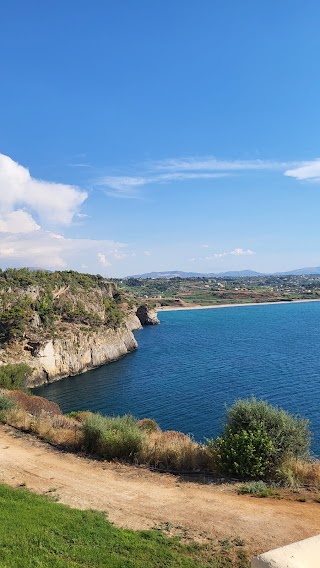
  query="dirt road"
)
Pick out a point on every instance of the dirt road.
point(139, 499)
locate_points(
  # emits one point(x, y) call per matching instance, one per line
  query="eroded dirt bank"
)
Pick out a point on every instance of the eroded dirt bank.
point(139, 499)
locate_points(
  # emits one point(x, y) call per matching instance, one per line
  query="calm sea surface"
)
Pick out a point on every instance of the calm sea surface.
point(195, 362)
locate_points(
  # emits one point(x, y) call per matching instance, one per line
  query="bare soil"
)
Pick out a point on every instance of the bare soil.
point(136, 498)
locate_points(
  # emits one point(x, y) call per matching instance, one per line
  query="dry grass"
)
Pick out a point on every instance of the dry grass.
point(296, 472)
point(174, 451)
point(57, 429)
point(36, 405)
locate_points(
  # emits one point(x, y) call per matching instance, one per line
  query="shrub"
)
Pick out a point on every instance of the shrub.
point(174, 451)
point(247, 453)
point(289, 434)
point(14, 376)
point(6, 404)
point(258, 437)
point(112, 437)
point(252, 488)
point(148, 425)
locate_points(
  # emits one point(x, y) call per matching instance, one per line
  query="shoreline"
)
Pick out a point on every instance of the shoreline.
point(216, 306)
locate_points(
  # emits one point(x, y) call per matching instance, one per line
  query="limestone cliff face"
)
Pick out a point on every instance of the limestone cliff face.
point(76, 351)
point(147, 316)
point(64, 323)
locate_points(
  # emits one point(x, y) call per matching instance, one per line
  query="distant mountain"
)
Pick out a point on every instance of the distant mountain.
point(231, 274)
point(181, 274)
point(237, 274)
point(301, 271)
point(169, 274)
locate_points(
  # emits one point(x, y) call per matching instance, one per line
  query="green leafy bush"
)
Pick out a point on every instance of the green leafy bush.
point(112, 437)
point(14, 376)
point(5, 404)
point(289, 434)
point(258, 437)
point(247, 453)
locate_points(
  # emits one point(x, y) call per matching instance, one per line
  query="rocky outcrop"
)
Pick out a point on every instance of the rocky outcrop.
point(75, 351)
point(147, 316)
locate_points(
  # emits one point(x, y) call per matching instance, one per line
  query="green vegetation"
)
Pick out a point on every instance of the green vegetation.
point(112, 437)
point(258, 438)
point(6, 403)
point(259, 441)
point(34, 303)
point(216, 290)
point(258, 489)
point(14, 376)
point(35, 531)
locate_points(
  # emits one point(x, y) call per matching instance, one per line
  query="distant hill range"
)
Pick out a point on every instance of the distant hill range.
point(230, 274)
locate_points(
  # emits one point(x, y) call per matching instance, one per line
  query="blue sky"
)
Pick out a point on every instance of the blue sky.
point(139, 136)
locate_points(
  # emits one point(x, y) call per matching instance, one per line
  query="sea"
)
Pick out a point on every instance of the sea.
point(189, 369)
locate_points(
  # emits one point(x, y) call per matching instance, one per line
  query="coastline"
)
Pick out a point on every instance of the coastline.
point(216, 306)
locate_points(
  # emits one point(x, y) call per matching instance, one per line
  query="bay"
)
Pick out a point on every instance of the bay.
point(188, 368)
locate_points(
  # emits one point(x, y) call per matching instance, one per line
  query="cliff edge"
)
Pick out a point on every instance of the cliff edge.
point(64, 323)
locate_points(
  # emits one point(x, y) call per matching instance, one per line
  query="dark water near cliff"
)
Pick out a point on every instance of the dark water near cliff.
point(195, 362)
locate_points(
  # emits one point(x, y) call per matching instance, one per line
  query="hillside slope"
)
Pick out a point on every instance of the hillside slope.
point(63, 323)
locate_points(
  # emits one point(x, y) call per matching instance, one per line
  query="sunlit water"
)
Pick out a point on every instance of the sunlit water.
point(195, 362)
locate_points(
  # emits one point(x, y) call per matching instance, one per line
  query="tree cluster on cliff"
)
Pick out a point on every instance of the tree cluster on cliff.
point(41, 301)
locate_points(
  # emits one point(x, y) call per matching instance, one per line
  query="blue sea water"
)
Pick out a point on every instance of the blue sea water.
point(195, 362)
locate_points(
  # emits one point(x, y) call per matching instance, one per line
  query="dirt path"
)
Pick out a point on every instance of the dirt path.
point(139, 499)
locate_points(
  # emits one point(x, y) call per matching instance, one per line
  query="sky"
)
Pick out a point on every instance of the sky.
point(141, 135)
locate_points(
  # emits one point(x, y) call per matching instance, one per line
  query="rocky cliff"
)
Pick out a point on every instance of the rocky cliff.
point(63, 324)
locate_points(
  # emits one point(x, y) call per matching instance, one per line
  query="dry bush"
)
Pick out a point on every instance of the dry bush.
point(34, 404)
point(174, 451)
point(19, 418)
point(58, 429)
point(148, 425)
point(81, 415)
point(296, 472)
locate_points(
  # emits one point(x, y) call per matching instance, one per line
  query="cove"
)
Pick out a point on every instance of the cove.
point(197, 361)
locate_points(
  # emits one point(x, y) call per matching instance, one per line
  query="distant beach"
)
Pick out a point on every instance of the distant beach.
point(183, 308)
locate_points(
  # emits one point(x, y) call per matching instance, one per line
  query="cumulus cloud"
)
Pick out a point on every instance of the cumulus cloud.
point(234, 252)
point(53, 251)
point(307, 171)
point(55, 203)
point(18, 222)
point(103, 260)
point(23, 242)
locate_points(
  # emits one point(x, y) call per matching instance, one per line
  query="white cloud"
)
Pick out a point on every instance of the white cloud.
point(18, 222)
point(49, 250)
point(234, 252)
point(103, 260)
point(241, 252)
point(126, 186)
point(308, 170)
point(82, 215)
point(204, 246)
point(184, 169)
point(210, 163)
point(53, 202)
point(147, 252)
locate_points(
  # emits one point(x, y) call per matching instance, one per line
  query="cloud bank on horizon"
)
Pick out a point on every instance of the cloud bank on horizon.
point(34, 212)
point(30, 209)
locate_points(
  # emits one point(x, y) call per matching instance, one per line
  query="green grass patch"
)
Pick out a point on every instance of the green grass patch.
point(38, 533)
point(258, 489)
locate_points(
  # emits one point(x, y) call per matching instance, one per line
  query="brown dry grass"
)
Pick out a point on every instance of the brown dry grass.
point(174, 451)
point(296, 472)
point(57, 429)
point(34, 404)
